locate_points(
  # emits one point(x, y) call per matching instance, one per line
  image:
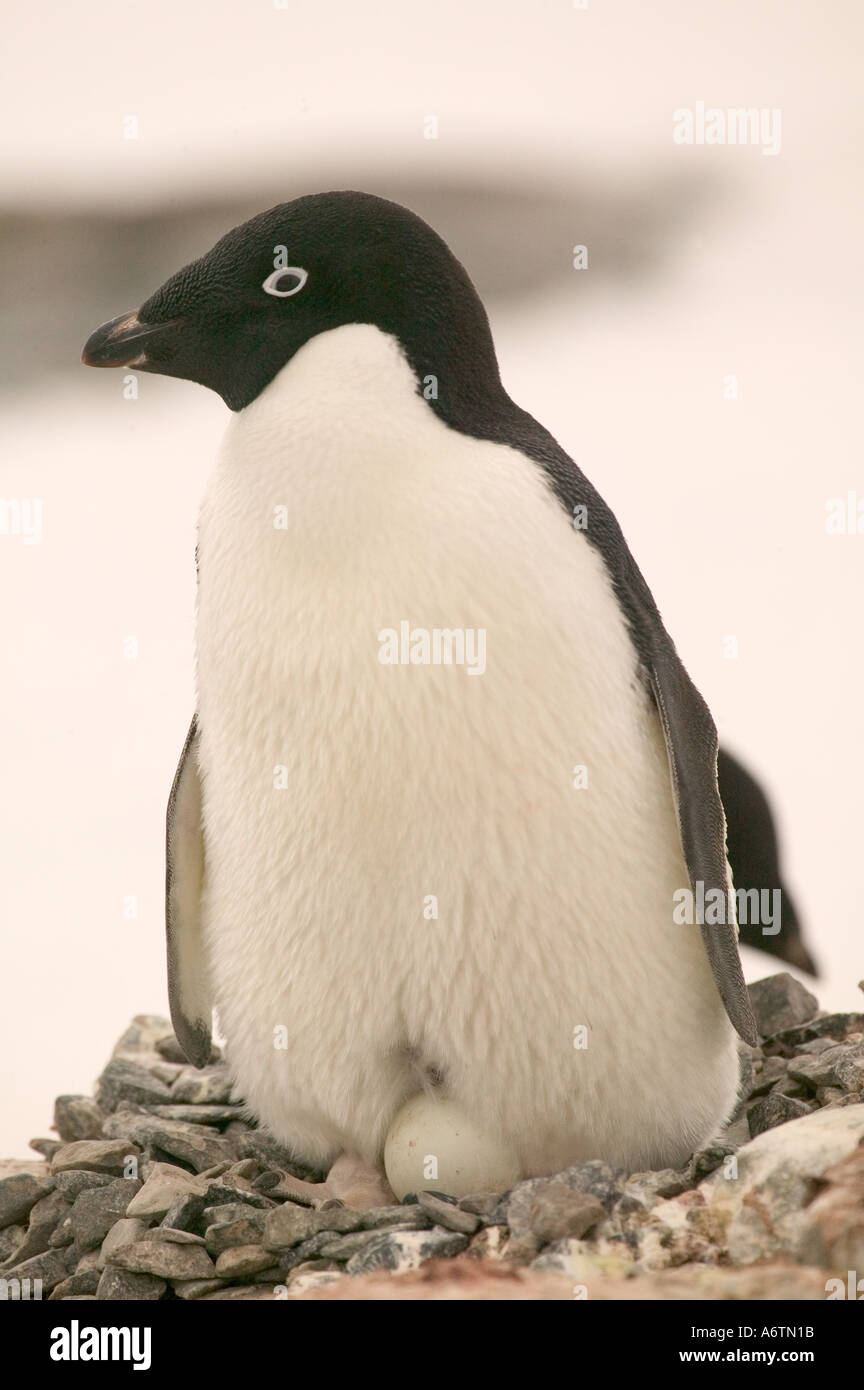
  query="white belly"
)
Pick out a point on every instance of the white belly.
point(413, 783)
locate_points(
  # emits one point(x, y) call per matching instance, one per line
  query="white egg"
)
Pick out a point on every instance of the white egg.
point(433, 1146)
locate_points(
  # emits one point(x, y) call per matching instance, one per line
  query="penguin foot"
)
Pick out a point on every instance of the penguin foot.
point(351, 1181)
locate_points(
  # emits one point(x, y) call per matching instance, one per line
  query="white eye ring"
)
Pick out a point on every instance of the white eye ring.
point(272, 281)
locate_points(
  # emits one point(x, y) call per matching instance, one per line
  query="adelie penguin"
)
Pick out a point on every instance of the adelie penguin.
point(392, 867)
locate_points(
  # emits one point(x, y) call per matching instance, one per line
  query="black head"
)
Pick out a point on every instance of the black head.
point(232, 319)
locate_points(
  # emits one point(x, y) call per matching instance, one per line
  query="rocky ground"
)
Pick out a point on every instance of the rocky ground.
point(160, 1187)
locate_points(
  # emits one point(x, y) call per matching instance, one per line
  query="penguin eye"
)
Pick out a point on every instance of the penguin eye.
point(285, 282)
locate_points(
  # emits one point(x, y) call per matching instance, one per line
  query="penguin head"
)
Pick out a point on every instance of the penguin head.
point(234, 318)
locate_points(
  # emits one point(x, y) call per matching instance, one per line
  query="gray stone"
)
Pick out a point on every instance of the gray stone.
point(164, 1259)
point(74, 1183)
point(240, 1261)
point(773, 1110)
point(406, 1218)
point(195, 1288)
point(108, 1156)
point(196, 1114)
point(62, 1235)
point(558, 1213)
point(229, 1190)
point(95, 1211)
point(86, 1282)
point(230, 1211)
point(118, 1285)
point(77, 1117)
point(247, 1230)
point(166, 1071)
point(45, 1217)
point(403, 1250)
point(46, 1147)
point(89, 1259)
point(447, 1214)
point(779, 1002)
point(50, 1267)
point(176, 1237)
point(332, 1247)
point(209, 1086)
point(199, 1146)
point(185, 1213)
point(240, 1293)
point(480, 1204)
point(18, 1194)
point(764, 1208)
point(707, 1161)
point(11, 1240)
point(773, 1070)
point(289, 1225)
point(165, 1186)
point(596, 1179)
point(836, 1026)
point(141, 1037)
point(170, 1049)
point(127, 1231)
point(128, 1082)
point(840, 1065)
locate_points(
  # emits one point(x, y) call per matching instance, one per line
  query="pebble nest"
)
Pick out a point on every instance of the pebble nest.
point(160, 1186)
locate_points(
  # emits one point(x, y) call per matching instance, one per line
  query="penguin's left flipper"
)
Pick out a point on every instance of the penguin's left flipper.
point(691, 743)
point(188, 984)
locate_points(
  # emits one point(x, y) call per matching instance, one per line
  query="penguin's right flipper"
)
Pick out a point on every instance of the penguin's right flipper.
point(754, 857)
point(188, 983)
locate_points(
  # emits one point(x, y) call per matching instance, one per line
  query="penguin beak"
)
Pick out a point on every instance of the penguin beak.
point(122, 342)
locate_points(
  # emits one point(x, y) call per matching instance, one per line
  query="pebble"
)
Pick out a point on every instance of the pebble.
point(209, 1086)
point(77, 1117)
point(85, 1282)
point(773, 1110)
point(170, 1049)
point(447, 1214)
point(45, 1217)
point(160, 1233)
point(74, 1183)
point(197, 1114)
point(199, 1146)
point(11, 1239)
point(559, 1212)
point(166, 1185)
point(247, 1230)
point(195, 1288)
point(18, 1194)
point(164, 1259)
point(124, 1232)
point(119, 1285)
point(403, 1250)
point(109, 1156)
point(239, 1261)
point(130, 1082)
point(95, 1210)
point(289, 1225)
point(779, 1002)
point(50, 1267)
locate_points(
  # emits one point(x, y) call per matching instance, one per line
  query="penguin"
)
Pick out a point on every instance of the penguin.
point(397, 870)
point(754, 856)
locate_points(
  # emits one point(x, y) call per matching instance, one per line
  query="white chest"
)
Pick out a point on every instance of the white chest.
point(398, 862)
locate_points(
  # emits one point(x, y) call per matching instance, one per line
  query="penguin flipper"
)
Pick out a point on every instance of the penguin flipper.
point(188, 984)
point(754, 854)
point(692, 744)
